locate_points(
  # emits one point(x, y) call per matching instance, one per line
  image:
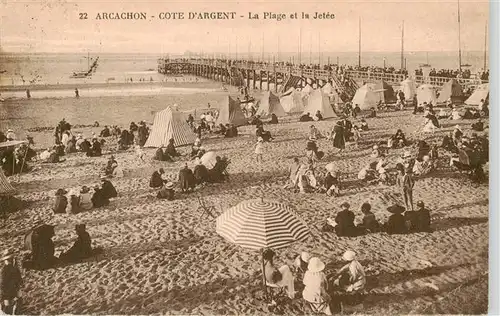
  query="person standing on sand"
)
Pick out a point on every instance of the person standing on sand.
point(77, 94)
point(405, 182)
point(28, 94)
point(10, 282)
point(259, 149)
point(338, 136)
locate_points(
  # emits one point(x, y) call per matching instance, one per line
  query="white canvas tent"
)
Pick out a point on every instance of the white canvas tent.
point(318, 101)
point(292, 101)
point(270, 104)
point(426, 93)
point(169, 124)
point(366, 97)
point(481, 92)
point(409, 88)
point(328, 89)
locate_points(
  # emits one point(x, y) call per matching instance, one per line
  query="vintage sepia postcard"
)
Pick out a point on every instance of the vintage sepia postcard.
point(245, 157)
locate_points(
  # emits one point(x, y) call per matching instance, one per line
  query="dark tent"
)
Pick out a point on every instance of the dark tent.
point(388, 91)
point(451, 90)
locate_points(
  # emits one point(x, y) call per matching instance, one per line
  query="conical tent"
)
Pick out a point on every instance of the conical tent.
point(366, 98)
point(386, 91)
point(169, 124)
point(6, 189)
point(270, 104)
point(482, 92)
point(451, 90)
point(426, 93)
point(327, 88)
point(318, 101)
point(230, 113)
point(292, 101)
point(409, 88)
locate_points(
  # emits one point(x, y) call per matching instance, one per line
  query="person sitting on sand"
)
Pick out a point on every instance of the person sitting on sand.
point(306, 180)
point(312, 151)
point(65, 138)
point(82, 247)
point(266, 135)
point(364, 125)
point(478, 126)
point(373, 113)
point(84, 145)
point(156, 180)
point(61, 202)
point(316, 287)
point(108, 189)
point(306, 117)
point(332, 183)
point(376, 153)
point(222, 130)
point(345, 222)
point(167, 192)
point(455, 114)
point(105, 132)
point(351, 277)
point(124, 141)
point(59, 149)
point(73, 203)
point(218, 172)
point(186, 179)
point(85, 199)
point(369, 223)
point(281, 277)
point(318, 116)
point(314, 132)
point(423, 166)
point(368, 173)
point(396, 223)
point(200, 172)
point(274, 119)
point(142, 134)
point(162, 155)
point(96, 149)
point(292, 174)
point(301, 261)
point(98, 198)
point(171, 151)
point(110, 166)
point(234, 130)
point(256, 121)
point(398, 140)
point(190, 120)
point(195, 148)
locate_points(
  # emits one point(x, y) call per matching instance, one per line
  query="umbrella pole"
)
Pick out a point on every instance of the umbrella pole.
point(264, 277)
point(24, 159)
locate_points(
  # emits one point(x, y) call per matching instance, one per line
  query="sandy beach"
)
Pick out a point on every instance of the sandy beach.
point(162, 257)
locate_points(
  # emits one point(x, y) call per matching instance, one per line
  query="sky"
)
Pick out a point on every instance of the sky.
point(54, 26)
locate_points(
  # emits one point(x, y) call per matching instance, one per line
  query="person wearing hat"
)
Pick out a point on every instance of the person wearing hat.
point(186, 179)
point(375, 152)
point(167, 192)
point(406, 183)
point(345, 222)
point(108, 189)
point(281, 277)
point(10, 135)
point(61, 202)
point(10, 282)
point(316, 287)
point(351, 277)
point(259, 149)
point(318, 116)
point(200, 172)
point(73, 202)
point(82, 247)
point(332, 183)
point(338, 137)
point(170, 150)
point(274, 119)
point(95, 150)
point(99, 199)
point(369, 223)
point(85, 199)
point(142, 134)
point(301, 261)
point(396, 223)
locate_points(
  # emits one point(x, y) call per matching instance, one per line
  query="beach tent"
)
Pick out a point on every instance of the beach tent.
point(230, 113)
point(366, 97)
point(481, 92)
point(451, 90)
point(426, 93)
point(6, 189)
point(292, 101)
point(409, 88)
point(385, 91)
point(270, 104)
point(168, 124)
point(318, 101)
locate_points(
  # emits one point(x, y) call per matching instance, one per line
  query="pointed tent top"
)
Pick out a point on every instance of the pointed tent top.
point(270, 104)
point(168, 124)
point(318, 101)
point(230, 113)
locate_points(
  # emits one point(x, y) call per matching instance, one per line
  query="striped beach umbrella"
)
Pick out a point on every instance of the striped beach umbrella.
point(257, 224)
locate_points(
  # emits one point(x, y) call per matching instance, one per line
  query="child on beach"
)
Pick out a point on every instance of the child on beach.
point(356, 135)
point(405, 182)
point(259, 148)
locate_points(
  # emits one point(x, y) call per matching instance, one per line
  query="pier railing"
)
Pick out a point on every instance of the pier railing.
point(295, 70)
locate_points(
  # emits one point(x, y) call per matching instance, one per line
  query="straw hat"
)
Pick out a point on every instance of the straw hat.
point(457, 126)
point(420, 203)
point(375, 146)
point(10, 131)
point(345, 204)
point(349, 255)
point(312, 138)
point(260, 139)
point(305, 256)
point(315, 265)
point(169, 185)
point(61, 192)
point(396, 209)
point(7, 254)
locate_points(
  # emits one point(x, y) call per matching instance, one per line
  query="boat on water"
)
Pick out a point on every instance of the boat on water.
point(87, 73)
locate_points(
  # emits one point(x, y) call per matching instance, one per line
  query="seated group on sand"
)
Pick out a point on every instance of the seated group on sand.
point(42, 249)
point(75, 202)
point(322, 291)
point(400, 222)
